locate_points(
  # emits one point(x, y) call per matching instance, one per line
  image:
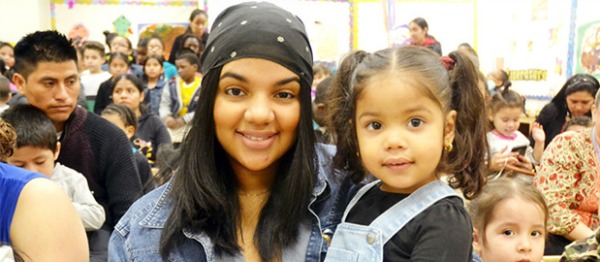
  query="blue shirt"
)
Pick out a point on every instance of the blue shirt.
point(137, 235)
point(12, 181)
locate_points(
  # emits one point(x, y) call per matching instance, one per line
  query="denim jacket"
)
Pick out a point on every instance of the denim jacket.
point(137, 235)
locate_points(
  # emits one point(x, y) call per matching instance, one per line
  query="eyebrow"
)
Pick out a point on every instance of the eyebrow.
point(245, 80)
point(409, 110)
point(46, 78)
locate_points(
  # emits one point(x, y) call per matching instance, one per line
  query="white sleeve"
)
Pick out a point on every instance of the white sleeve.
point(91, 213)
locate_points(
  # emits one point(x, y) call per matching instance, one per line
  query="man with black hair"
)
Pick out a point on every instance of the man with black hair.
point(46, 74)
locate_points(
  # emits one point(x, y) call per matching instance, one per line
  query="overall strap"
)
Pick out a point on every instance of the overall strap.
point(396, 217)
point(357, 197)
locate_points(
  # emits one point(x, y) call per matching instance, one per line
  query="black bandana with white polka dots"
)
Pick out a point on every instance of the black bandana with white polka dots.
point(259, 30)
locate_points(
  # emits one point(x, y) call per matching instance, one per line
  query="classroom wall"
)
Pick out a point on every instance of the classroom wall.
point(540, 41)
point(21, 17)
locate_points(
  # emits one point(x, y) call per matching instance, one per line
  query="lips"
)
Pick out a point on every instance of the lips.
point(257, 140)
point(61, 108)
point(397, 164)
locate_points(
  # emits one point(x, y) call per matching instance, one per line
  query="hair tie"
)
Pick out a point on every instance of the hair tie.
point(448, 62)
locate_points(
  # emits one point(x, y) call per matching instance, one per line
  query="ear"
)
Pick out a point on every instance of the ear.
point(195, 67)
point(20, 82)
point(449, 129)
point(57, 152)
point(594, 113)
point(320, 107)
point(477, 241)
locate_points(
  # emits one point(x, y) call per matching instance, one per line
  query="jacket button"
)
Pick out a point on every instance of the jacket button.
point(370, 238)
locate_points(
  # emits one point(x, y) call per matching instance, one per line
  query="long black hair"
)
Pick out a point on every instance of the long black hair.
point(576, 83)
point(204, 187)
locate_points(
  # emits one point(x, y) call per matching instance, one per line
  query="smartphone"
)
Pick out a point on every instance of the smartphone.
point(520, 149)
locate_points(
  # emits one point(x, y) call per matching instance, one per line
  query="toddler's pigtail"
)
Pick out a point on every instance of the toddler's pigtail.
point(341, 98)
point(467, 161)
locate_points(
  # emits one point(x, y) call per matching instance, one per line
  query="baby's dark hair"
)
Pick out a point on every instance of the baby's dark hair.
point(494, 192)
point(454, 89)
point(42, 46)
point(94, 45)
point(189, 56)
point(125, 113)
point(584, 121)
point(32, 126)
point(505, 99)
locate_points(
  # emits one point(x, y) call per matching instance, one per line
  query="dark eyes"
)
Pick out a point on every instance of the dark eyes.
point(284, 95)
point(374, 126)
point(415, 122)
point(234, 92)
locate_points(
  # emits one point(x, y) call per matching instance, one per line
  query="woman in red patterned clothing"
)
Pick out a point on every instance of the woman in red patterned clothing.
point(568, 178)
point(420, 37)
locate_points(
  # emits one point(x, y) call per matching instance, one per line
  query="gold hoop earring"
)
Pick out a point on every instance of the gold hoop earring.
point(448, 147)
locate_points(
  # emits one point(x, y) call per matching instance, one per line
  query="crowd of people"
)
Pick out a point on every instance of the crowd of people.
point(238, 147)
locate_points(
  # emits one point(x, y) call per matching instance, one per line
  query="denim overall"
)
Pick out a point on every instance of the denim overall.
point(353, 242)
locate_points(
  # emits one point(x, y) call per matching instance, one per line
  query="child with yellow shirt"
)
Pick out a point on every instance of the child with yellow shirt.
point(178, 103)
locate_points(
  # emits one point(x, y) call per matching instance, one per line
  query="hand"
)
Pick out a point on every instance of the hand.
point(537, 132)
point(523, 166)
point(169, 121)
point(178, 122)
point(502, 158)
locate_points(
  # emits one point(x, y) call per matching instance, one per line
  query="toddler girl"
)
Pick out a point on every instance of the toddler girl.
point(408, 117)
point(509, 219)
point(118, 64)
point(505, 110)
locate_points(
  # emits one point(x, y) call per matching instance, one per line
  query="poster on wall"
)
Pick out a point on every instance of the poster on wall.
point(167, 32)
point(98, 16)
point(587, 54)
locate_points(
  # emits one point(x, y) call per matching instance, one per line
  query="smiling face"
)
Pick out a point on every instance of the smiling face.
point(256, 114)
point(53, 87)
point(400, 132)
point(507, 120)
point(516, 232)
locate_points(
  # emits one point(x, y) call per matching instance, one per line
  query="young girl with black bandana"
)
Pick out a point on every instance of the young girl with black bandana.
point(408, 118)
point(251, 184)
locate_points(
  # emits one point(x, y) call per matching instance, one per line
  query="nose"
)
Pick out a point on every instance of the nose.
point(524, 244)
point(394, 139)
point(60, 93)
point(259, 111)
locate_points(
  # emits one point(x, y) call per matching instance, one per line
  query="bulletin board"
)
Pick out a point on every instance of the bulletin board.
point(98, 15)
